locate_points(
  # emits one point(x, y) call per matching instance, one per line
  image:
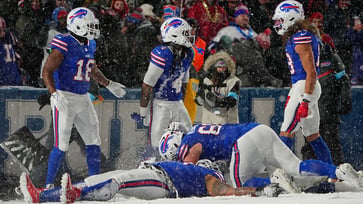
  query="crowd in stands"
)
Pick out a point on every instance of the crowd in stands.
point(130, 29)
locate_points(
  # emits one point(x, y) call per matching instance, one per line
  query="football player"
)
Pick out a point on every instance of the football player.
point(167, 179)
point(302, 52)
point(67, 73)
point(249, 148)
point(166, 78)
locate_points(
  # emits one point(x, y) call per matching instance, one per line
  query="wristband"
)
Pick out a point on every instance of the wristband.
point(143, 111)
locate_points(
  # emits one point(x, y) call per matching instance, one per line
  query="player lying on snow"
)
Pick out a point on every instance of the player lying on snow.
point(168, 179)
point(250, 148)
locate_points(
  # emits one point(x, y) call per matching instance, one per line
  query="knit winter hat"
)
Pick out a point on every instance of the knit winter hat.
point(316, 15)
point(241, 9)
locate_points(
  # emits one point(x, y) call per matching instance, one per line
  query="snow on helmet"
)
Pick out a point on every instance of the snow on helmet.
point(177, 31)
point(287, 12)
point(169, 144)
point(82, 22)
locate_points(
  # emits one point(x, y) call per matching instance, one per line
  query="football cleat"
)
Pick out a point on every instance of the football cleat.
point(347, 173)
point(69, 193)
point(30, 192)
point(280, 177)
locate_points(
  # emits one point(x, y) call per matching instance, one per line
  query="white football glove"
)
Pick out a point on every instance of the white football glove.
point(60, 102)
point(116, 89)
point(272, 190)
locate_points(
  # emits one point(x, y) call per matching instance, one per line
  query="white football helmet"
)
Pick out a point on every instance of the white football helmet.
point(287, 12)
point(82, 22)
point(178, 31)
point(169, 144)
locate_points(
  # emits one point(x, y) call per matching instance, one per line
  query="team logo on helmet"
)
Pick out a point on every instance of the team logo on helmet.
point(79, 14)
point(164, 146)
point(289, 7)
point(174, 23)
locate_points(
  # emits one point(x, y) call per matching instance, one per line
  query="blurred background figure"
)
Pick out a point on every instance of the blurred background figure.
point(9, 71)
point(355, 36)
point(195, 72)
point(219, 91)
point(32, 33)
point(335, 99)
point(58, 25)
point(210, 17)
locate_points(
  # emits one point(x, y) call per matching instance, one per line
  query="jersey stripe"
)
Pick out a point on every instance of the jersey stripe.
point(59, 46)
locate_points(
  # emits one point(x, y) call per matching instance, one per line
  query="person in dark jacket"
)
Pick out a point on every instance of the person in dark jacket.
point(335, 100)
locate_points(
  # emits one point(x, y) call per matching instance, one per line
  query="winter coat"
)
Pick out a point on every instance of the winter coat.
point(213, 93)
point(336, 98)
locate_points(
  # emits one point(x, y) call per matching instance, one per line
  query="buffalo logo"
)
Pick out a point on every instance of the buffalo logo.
point(79, 14)
point(164, 146)
point(174, 23)
point(289, 7)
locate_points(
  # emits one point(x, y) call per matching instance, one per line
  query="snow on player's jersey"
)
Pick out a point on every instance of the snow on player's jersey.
point(74, 72)
point(293, 59)
point(188, 179)
point(217, 140)
point(169, 85)
point(9, 71)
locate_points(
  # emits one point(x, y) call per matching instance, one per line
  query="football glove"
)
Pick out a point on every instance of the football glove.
point(116, 89)
point(137, 117)
point(303, 110)
point(272, 190)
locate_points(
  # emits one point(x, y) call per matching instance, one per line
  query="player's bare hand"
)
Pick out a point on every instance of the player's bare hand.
point(116, 89)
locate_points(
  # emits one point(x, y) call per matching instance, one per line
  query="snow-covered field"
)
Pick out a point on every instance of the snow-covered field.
point(304, 198)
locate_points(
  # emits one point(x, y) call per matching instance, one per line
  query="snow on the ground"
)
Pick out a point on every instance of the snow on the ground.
point(303, 198)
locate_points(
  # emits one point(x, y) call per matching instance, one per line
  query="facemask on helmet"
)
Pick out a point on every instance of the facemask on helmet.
point(206, 163)
point(177, 31)
point(287, 13)
point(82, 22)
point(169, 144)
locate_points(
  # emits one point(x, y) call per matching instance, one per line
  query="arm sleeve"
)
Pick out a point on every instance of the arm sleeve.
point(152, 75)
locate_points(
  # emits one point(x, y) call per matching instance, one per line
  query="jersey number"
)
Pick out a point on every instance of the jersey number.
point(89, 64)
point(10, 56)
point(210, 129)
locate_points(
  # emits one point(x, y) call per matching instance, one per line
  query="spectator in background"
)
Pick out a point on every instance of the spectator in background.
point(121, 7)
point(336, 20)
point(9, 71)
point(335, 99)
point(219, 91)
point(312, 6)
point(32, 32)
point(261, 14)
point(142, 37)
point(57, 26)
point(355, 36)
point(210, 17)
point(194, 71)
point(247, 51)
point(112, 50)
point(229, 7)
